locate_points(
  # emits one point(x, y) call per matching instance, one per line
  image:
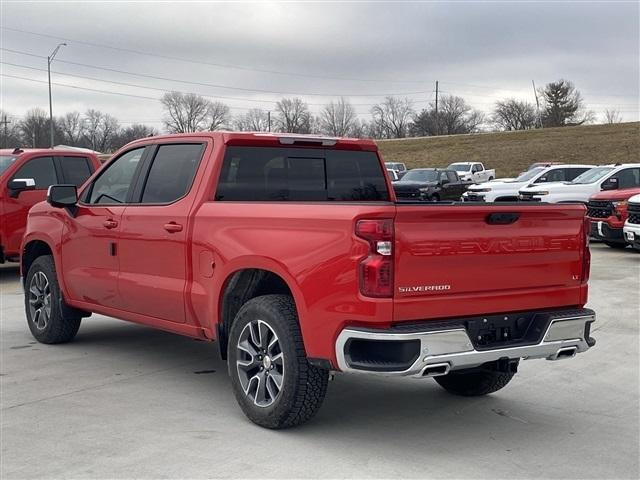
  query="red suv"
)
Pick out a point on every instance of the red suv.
point(25, 176)
point(607, 212)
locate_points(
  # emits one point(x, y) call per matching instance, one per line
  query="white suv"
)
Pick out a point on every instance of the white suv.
point(507, 190)
point(632, 225)
point(607, 177)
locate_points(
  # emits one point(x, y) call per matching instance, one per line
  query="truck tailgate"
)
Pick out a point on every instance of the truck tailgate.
point(456, 260)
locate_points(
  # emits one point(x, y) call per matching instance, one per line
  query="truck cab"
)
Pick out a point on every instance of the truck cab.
point(25, 176)
point(473, 172)
point(430, 184)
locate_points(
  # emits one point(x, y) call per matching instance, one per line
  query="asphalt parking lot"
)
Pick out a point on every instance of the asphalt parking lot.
point(125, 401)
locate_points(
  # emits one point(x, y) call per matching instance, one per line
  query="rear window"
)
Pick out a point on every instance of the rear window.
point(75, 170)
point(297, 174)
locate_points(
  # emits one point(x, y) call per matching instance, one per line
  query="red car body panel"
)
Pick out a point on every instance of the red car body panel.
point(175, 280)
point(13, 211)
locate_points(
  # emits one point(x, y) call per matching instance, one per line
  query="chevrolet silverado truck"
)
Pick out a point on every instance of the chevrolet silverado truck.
point(632, 225)
point(25, 176)
point(581, 188)
point(607, 212)
point(292, 253)
point(472, 172)
point(430, 184)
point(508, 190)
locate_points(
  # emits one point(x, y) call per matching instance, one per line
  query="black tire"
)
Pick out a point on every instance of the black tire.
point(435, 198)
point(303, 386)
point(50, 325)
point(490, 178)
point(474, 383)
point(617, 246)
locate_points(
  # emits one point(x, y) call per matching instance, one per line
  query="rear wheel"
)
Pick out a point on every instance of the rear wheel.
point(272, 380)
point(474, 383)
point(45, 317)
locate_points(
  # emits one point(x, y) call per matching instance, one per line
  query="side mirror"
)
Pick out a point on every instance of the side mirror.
point(610, 184)
point(62, 196)
point(18, 185)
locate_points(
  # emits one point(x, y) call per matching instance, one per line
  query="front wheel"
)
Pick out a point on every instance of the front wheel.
point(272, 380)
point(47, 320)
point(474, 383)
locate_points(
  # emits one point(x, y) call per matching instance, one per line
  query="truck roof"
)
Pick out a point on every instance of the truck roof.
point(267, 139)
point(22, 151)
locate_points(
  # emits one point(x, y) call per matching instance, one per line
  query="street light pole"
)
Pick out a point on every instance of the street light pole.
point(49, 60)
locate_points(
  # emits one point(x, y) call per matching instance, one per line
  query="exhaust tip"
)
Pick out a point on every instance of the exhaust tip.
point(564, 353)
point(436, 370)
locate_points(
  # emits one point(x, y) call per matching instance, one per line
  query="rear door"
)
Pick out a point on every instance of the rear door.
point(153, 238)
point(472, 259)
point(42, 171)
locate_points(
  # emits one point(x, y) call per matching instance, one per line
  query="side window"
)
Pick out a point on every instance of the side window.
point(41, 169)
point(112, 186)
point(628, 178)
point(557, 175)
point(452, 176)
point(443, 176)
point(476, 168)
point(75, 170)
point(172, 172)
point(571, 173)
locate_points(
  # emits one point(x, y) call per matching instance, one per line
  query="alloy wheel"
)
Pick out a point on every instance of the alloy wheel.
point(260, 363)
point(40, 300)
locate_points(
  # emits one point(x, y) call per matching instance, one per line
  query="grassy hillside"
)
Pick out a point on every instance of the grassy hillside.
point(512, 152)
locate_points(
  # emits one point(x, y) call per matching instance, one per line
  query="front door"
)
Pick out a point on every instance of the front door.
point(153, 238)
point(90, 248)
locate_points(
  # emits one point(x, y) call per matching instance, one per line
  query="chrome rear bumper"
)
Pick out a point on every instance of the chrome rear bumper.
point(444, 350)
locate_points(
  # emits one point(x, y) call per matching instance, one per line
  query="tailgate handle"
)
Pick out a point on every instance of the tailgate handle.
point(501, 218)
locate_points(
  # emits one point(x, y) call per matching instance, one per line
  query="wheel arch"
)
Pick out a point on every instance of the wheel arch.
point(240, 286)
point(33, 248)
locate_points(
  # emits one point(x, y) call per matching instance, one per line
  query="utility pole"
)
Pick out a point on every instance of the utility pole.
point(437, 120)
point(535, 93)
point(6, 123)
point(268, 121)
point(49, 60)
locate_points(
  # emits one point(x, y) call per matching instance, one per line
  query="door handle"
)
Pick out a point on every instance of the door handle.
point(173, 227)
point(502, 218)
point(110, 224)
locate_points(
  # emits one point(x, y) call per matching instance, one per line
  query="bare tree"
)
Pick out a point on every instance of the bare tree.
point(10, 135)
point(612, 116)
point(217, 115)
point(100, 130)
point(293, 116)
point(563, 105)
point(185, 113)
point(454, 117)
point(338, 118)
point(513, 114)
point(255, 120)
point(131, 133)
point(35, 128)
point(393, 116)
point(72, 127)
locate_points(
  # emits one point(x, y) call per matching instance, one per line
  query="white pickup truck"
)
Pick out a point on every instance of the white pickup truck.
point(507, 190)
point(606, 177)
point(632, 225)
point(472, 172)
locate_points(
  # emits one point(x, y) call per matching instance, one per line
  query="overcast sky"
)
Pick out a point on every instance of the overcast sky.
point(255, 53)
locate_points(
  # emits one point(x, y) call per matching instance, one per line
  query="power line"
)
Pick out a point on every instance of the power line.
point(211, 64)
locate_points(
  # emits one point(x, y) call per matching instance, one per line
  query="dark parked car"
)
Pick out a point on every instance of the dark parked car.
point(430, 184)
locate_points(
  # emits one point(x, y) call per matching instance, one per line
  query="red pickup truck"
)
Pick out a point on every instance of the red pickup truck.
point(607, 212)
point(25, 176)
point(293, 254)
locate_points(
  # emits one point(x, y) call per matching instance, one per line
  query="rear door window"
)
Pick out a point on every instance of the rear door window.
point(571, 173)
point(172, 171)
point(296, 174)
point(41, 169)
point(75, 170)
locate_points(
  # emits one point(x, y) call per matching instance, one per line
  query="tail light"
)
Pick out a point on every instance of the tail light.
point(586, 253)
point(376, 271)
